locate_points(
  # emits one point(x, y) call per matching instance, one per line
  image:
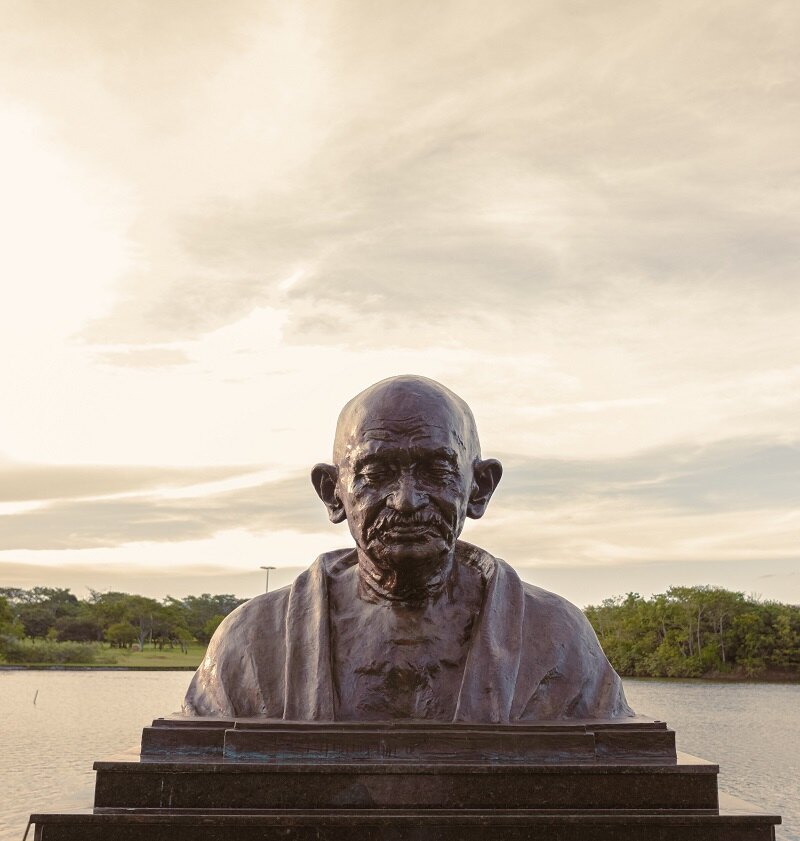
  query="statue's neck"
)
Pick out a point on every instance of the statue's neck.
point(410, 585)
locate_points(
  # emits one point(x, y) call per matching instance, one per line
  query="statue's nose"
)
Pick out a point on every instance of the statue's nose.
point(406, 497)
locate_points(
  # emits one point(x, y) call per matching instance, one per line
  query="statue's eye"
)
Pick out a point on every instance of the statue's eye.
point(375, 472)
point(438, 469)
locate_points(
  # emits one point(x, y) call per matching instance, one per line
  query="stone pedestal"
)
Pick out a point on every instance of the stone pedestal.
point(204, 779)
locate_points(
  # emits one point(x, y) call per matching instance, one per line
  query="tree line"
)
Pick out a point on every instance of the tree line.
point(122, 620)
point(684, 632)
point(698, 632)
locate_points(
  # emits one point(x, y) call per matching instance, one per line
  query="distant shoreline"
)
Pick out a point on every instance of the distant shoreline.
point(25, 667)
point(793, 679)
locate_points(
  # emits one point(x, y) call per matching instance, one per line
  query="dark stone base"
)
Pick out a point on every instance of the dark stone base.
point(408, 825)
point(689, 783)
point(207, 780)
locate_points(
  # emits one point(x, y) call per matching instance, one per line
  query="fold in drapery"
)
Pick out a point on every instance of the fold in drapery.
point(533, 655)
point(490, 672)
point(308, 680)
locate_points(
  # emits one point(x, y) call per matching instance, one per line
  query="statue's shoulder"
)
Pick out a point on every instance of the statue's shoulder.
point(541, 606)
point(228, 680)
point(255, 617)
point(264, 616)
point(546, 609)
point(549, 602)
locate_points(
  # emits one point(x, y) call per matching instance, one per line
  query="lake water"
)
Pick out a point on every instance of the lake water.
point(47, 749)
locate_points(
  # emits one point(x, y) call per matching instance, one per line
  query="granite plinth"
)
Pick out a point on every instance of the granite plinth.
point(209, 779)
point(741, 823)
point(193, 783)
point(548, 742)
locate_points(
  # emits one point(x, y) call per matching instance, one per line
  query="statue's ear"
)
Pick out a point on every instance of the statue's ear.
point(324, 477)
point(485, 478)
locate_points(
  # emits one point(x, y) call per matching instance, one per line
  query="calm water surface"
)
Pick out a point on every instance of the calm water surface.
point(47, 749)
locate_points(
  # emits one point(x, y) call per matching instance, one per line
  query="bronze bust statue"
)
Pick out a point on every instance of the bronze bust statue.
point(412, 623)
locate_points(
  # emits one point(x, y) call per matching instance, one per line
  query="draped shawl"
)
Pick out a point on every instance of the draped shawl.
point(532, 655)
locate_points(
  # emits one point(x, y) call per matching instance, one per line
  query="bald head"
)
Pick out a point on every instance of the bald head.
point(407, 471)
point(414, 403)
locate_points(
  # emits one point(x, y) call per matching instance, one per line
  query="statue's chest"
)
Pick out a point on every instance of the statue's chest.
point(394, 662)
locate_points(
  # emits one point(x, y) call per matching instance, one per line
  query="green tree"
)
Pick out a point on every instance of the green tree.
point(121, 635)
point(786, 626)
point(211, 625)
point(37, 620)
point(201, 609)
point(107, 608)
point(10, 626)
point(694, 631)
point(143, 613)
point(59, 599)
point(723, 606)
point(39, 608)
point(79, 628)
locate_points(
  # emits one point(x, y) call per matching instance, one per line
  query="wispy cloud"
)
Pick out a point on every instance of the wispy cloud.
point(502, 167)
point(55, 482)
point(223, 224)
point(91, 523)
point(684, 503)
point(725, 476)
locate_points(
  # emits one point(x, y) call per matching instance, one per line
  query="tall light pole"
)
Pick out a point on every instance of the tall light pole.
point(267, 569)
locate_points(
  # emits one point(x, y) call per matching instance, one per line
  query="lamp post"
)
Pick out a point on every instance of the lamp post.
point(267, 569)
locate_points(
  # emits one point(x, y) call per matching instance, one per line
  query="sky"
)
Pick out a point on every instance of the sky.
point(219, 222)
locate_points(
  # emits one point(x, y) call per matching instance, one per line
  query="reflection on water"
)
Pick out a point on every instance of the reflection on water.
point(751, 730)
point(47, 749)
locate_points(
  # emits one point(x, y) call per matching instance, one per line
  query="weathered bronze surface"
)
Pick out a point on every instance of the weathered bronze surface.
point(411, 624)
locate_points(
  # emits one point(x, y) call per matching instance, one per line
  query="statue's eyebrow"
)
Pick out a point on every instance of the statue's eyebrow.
point(443, 453)
point(363, 461)
point(416, 454)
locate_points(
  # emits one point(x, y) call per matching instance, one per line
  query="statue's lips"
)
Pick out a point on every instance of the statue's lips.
point(410, 533)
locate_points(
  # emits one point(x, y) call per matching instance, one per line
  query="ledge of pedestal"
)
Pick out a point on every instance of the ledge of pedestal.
point(198, 779)
point(266, 740)
point(740, 822)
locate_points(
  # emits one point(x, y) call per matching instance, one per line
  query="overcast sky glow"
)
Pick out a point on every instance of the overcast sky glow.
point(219, 222)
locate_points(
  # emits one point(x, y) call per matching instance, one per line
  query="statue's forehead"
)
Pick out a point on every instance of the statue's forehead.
point(374, 430)
point(414, 430)
point(407, 412)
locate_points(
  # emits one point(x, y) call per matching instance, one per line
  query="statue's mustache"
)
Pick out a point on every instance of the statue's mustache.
point(394, 519)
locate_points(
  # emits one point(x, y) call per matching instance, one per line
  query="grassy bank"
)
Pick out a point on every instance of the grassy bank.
point(102, 656)
point(766, 676)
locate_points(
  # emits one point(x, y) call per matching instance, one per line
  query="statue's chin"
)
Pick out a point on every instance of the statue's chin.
point(410, 556)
